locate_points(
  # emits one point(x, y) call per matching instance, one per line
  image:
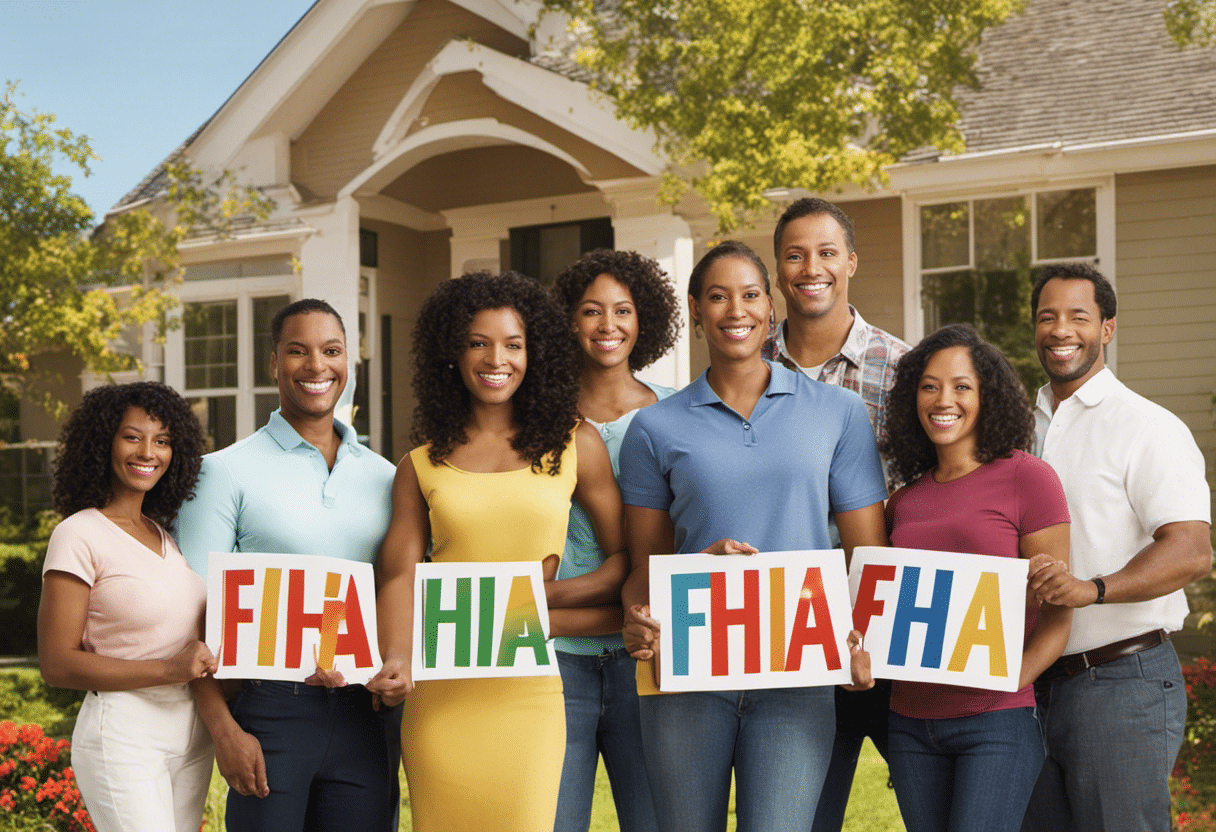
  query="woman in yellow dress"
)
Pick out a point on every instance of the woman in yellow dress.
point(504, 452)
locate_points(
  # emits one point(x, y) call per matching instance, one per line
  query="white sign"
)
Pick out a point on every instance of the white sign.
point(940, 616)
point(473, 620)
point(272, 616)
point(776, 619)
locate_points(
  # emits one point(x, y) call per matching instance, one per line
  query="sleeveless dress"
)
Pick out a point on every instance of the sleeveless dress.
point(486, 754)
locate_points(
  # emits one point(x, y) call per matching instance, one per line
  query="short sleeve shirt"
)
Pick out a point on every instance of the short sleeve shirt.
point(769, 479)
point(273, 492)
point(985, 512)
point(142, 604)
point(1129, 466)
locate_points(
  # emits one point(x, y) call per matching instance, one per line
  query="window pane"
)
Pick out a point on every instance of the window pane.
point(218, 417)
point(944, 236)
point(997, 303)
point(210, 344)
point(264, 309)
point(1002, 233)
point(1067, 224)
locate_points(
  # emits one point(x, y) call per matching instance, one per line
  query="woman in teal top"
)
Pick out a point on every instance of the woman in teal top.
point(625, 316)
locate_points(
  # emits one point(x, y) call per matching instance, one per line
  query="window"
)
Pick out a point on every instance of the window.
point(541, 251)
point(220, 358)
point(980, 258)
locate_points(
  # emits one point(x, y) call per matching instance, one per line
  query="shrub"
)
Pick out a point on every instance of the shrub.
point(24, 697)
point(37, 787)
point(1194, 782)
point(22, 550)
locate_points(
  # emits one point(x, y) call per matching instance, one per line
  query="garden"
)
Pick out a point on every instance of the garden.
point(38, 791)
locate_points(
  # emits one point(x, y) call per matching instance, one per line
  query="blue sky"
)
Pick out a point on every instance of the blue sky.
point(136, 76)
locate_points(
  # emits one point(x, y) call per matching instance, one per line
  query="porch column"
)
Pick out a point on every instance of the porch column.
point(330, 260)
point(640, 224)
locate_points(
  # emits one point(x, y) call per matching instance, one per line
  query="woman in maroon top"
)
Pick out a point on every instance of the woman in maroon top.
point(958, 425)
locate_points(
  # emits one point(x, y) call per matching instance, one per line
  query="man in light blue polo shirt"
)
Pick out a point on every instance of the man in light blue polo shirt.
point(298, 756)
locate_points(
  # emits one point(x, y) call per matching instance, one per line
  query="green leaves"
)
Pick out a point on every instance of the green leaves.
point(748, 95)
point(66, 288)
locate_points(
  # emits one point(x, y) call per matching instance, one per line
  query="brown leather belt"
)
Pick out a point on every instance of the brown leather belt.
point(1066, 667)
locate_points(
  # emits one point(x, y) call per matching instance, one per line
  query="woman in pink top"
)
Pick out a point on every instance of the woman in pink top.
point(121, 613)
point(958, 425)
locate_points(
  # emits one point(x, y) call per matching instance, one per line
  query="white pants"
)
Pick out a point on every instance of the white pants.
point(142, 760)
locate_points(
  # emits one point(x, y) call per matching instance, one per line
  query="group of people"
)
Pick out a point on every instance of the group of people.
point(536, 442)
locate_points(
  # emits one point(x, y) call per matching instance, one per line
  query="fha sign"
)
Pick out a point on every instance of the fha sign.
point(272, 616)
point(940, 616)
point(777, 619)
point(473, 620)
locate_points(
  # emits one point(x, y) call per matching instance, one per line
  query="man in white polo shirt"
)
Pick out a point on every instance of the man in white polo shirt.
point(1114, 705)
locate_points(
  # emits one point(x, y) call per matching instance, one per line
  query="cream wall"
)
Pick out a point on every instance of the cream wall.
point(1166, 255)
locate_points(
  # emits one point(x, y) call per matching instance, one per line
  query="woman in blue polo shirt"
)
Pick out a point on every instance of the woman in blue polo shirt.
point(749, 457)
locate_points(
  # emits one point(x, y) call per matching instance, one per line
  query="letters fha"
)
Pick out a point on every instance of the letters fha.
point(773, 620)
point(918, 609)
point(278, 616)
point(480, 619)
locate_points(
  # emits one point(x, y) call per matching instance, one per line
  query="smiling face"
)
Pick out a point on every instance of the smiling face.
point(814, 266)
point(1069, 334)
point(494, 355)
point(139, 454)
point(948, 400)
point(309, 363)
point(606, 322)
point(734, 309)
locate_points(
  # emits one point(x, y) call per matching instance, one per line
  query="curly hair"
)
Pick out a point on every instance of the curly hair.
point(546, 403)
point(1005, 423)
point(653, 296)
point(82, 472)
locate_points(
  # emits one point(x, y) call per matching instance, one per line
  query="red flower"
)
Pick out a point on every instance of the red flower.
point(28, 783)
point(6, 801)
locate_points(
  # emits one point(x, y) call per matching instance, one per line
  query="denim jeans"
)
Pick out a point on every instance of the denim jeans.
point(331, 761)
point(602, 718)
point(965, 774)
point(778, 742)
point(859, 714)
point(1113, 734)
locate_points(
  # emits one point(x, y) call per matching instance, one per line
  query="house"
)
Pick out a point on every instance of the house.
point(408, 141)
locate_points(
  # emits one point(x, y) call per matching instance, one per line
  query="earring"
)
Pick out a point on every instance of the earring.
point(451, 366)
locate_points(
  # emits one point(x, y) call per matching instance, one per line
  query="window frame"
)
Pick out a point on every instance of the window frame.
point(1104, 221)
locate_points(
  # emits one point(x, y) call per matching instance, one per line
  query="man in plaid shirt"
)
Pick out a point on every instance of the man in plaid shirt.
point(824, 337)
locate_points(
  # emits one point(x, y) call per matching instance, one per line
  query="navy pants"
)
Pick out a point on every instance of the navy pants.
point(331, 760)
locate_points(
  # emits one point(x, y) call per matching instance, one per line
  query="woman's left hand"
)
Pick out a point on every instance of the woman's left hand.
point(859, 663)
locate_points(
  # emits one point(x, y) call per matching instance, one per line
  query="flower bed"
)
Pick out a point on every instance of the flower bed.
point(37, 788)
point(1194, 782)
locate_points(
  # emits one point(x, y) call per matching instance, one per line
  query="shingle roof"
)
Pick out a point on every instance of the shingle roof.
point(1079, 71)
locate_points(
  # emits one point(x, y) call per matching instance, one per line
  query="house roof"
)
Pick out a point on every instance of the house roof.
point(1076, 71)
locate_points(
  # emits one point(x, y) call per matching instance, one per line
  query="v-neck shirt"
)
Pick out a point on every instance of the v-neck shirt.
point(143, 604)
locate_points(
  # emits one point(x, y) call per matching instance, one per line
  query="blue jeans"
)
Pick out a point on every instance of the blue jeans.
point(965, 774)
point(331, 761)
point(778, 742)
point(602, 718)
point(1113, 734)
point(859, 714)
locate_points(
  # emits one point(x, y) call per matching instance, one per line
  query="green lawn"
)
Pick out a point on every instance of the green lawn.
point(871, 806)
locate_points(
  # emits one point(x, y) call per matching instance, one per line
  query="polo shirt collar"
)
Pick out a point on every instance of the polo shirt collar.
point(781, 382)
point(1088, 394)
point(288, 439)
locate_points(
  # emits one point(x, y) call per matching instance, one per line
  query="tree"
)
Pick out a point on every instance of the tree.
point(1191, 21)
point(64, 287)
point(745, 95)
